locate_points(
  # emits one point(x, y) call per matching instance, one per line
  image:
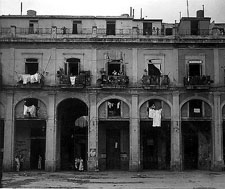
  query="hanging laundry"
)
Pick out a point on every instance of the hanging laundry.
point(36, 78)
point(29, 111)
point(151, 113)
point(118, 105)
point(72, 80)
point(157, 118)
point(27, 78)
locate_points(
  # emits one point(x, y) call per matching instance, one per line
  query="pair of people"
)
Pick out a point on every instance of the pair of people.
point(79, 164)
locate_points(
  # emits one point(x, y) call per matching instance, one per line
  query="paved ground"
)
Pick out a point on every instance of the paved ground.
point(116, 180)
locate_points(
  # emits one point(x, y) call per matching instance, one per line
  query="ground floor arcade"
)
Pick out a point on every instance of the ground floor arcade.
point(113, 133)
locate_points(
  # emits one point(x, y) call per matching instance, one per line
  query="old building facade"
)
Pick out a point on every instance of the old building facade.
point(83, 87)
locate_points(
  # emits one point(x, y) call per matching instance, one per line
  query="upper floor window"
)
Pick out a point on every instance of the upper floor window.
point(147, 28)
point(154, 67)
point(110, 27)
point(195, 67)
point(114, 108)
point(194, 27)
point(31, 66)
point(115, 67)
point(72, 66)
point(33, 25)
point(77, 27)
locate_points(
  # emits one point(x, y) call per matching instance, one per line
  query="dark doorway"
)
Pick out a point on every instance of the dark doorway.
point(73, 138)
point(155, 145)
point(37, 149)
point(110, 28)
point(76, 27)
point(194, 27)
point(113, 148)
point(30, 142)
point(194, 69)
point(147, 28)
point(196, 142)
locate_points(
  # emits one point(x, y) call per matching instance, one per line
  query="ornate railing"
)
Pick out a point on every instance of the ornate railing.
point(155, 81)
point(197, 82)
point(81, 80)
point(114, 81)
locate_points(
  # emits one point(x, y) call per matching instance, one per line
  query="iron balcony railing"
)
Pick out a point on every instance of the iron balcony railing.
point(114, 81)
point(197, 81)
point(155, 80)
point(81, 80)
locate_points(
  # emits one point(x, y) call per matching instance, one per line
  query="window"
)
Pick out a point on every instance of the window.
point(33, 24)
point(114, 108)
point(154, 67)
point(147, 28)
point(195, 67)
point(110, 28)
point(72, 66)
point(115, 67)
point(195, 108)
point(31, 66)
point(194, 27)
point(76, 27)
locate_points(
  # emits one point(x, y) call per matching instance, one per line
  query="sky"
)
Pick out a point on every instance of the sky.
point(168, 10)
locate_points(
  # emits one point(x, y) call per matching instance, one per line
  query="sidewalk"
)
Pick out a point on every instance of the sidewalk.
point(115, 180)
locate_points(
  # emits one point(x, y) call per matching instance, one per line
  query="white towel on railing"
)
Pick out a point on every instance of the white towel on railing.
point(72, 80)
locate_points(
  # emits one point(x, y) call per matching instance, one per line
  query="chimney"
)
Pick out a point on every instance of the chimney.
point(21, 8)
point(133, 12)
point(141, 13)
point(130, 11)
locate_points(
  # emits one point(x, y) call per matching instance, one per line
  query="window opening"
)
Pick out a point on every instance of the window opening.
point(72, 66)
point(194, 27)
point(110, 28)
point(147, 28)
point(195, 108)
point(31, 66)
point(76, 27)
point(114, 67)
point(114, 108)
point(194, 69)
point(154, 67)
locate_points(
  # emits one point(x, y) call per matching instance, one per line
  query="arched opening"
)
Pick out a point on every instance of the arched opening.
point(73, 128)
point(155, 137)
point(113, 135)
point(196, 135)
point(30, 134)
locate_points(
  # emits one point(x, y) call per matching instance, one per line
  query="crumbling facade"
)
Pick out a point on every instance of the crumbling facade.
point(83, 87)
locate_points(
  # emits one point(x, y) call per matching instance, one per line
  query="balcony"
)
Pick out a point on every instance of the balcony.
point(114, 81)
point(197, 82)
point(155, 81)
point(30, 81)
point(79, 81)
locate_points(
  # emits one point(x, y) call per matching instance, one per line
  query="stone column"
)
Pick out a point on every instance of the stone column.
point(93, 134)
point(176, 157)
point(50, 162)
point(134, 66)
point(216, 68)
point(8, 153)
point(217, 158)
point(134, 163)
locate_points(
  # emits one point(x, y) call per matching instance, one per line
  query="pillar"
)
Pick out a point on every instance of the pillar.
point(134, 66)
point(216, 67)
point(93, 134)
point(176, 157)
point(134, 164)
point(217, 157)
point(50, 162)
point(8, 155)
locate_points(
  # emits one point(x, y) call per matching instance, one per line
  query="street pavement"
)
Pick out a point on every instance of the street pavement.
point(115, 180)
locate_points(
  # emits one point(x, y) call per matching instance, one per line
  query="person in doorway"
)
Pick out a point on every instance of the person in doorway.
point(17, 161)
point(76, 163)
point(81, 165)
point(21, 158)
point(39, 162)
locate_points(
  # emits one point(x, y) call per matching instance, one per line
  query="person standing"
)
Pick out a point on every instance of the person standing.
point(17, 161)
point(81, 165)
point(39, 162)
